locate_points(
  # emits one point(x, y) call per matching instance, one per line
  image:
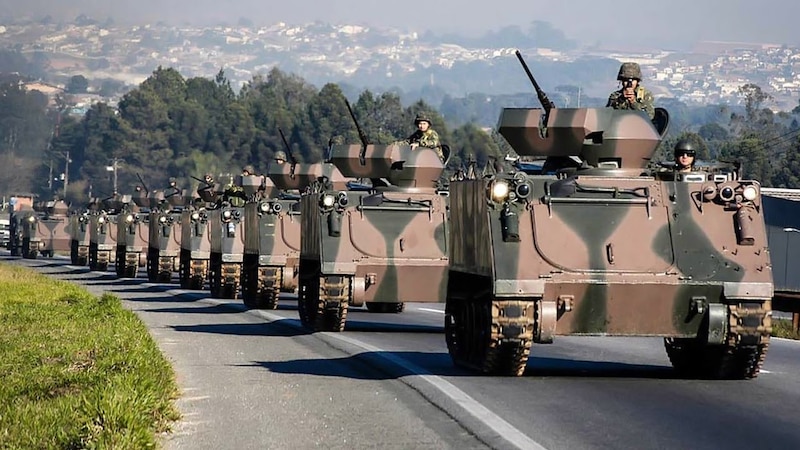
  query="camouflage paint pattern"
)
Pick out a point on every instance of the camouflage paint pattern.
point(390, 243)
point(102, 239)
point(605, 251)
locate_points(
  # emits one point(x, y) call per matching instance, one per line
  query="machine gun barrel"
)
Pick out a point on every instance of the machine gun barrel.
point(361, 134)
point(547, 105)
point(288, 148)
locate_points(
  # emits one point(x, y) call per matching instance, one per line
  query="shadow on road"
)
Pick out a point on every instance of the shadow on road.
point(272, 329)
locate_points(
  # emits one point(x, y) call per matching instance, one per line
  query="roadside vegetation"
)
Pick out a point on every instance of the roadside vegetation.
point(783, 328)
point(77, 371)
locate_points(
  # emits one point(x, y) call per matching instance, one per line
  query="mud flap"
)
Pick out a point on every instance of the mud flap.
point(717, 323)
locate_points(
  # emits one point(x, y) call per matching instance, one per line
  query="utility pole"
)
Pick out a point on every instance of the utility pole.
point(66, 174)
point(114, 168)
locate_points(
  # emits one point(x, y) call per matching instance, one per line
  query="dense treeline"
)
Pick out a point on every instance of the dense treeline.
point(175, 127)
point(170, 126)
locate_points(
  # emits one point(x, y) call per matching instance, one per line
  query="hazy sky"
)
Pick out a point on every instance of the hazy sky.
point(588, 21)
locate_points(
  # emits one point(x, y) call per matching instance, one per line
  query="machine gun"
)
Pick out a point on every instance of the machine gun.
point(144, 185)
point(547, 105)
point(289, 153)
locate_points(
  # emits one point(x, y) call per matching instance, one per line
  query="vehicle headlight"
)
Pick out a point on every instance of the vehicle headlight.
point(226, 215)
point(750, 193)
point(31, 219)
point(101, 220)
point(162, 219)
point(500, 190)
point(264, 207)
point(129, 218)
point(328, 200)
point(195, 216)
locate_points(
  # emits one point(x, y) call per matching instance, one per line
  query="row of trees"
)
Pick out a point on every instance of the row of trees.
point(170, 126)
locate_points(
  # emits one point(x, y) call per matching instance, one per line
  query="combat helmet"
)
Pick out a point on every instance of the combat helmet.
point(422, 117)
point(249, 169)
point(685, 146)
point(280, 155)
point(629, 70)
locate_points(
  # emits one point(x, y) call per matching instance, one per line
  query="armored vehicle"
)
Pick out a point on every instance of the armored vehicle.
point(272, 232)
point(132, 233)
point(79, 237)
point(195, 249)
point(103, 232)
point(227, 240)
point(163, 244)
point(381, 247)
point(21, 206)
point(52, 228)
point(601, 246)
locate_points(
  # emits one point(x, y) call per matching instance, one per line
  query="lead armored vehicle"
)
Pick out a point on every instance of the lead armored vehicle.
point(163, 243)
point(79, 236)
point(600, 246)
point(381, 247)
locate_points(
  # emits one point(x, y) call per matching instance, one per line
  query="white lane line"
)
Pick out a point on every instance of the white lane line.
point(431, 310)
point(794, 341)
point(496, 423)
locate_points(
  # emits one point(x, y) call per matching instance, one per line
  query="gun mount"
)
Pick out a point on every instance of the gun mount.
point(401, 165)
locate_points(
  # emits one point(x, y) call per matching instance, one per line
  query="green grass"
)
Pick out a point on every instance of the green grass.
point(783, 328)
point(77, 371)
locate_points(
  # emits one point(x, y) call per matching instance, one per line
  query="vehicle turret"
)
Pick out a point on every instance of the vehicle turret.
point(297, 176)
point(400, 165)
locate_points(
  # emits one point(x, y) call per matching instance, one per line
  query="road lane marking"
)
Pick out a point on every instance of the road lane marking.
point(431, 310)
point(484, 415)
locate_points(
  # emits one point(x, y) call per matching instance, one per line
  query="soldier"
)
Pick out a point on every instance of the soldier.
point(632, 95)
point(684, 156)
point(425, 136)
point(235, 194)
point(248, 170)
point(280, 157)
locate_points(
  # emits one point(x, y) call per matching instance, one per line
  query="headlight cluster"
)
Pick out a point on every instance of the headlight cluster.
point(83, 219)
point(501, 189)
point(228, 215)
point(266, 207)
point(101, 220)
point(132, 218)
point(31, 219)
point(330, 199)
point(731, 192)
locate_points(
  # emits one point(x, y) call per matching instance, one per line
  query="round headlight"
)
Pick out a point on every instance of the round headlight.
point(195, 216)
point(328, 200)
point(523, 190)
point(31, 219)
point(277, 207)
point(129, 218)
point(727, 193)
point(226, 214)
point(101, 220)
point(162, 219)
point(500, 190)
point(342, 199)
point(264, 206)
point(750, 193)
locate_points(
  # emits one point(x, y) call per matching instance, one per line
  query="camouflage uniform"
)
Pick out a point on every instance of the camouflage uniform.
point(429, 138)
point(644, 101)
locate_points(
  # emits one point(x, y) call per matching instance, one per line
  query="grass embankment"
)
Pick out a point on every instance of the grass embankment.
point(783, 328)
point(77, 371)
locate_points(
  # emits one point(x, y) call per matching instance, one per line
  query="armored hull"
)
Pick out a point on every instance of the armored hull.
point(30, 242)
point(79, 238)
point(610, 251)
point(382, 247)
point(133, 230)
point(163, 245)
point(227, 250)
point(195, 248)
point(102, 240)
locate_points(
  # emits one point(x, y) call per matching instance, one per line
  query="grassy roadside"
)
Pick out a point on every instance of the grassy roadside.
point(77, 371)
point(783, 328)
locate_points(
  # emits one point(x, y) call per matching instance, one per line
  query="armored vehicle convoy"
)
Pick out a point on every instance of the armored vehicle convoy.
point(132, 233)
point(381, 247)
point(52, 228)
point(103, 232)
point(163, 243)
point(603, 247)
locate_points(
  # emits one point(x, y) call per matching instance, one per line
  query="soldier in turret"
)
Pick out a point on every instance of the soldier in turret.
point(631, 95)
point(684, 153)
point(280, 157)
point(425, 136)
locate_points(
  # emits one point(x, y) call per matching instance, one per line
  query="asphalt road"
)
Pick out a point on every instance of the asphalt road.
point(256, 379)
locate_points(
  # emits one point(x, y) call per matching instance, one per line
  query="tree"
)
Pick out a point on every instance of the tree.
point(78, 84)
